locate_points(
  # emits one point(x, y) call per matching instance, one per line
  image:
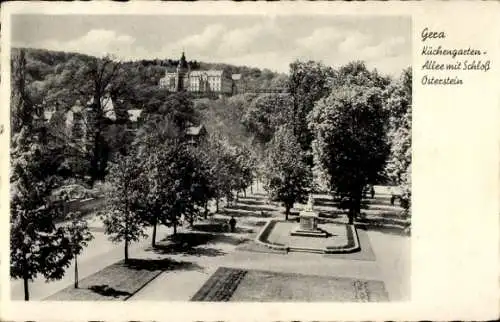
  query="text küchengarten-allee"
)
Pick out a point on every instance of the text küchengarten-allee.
point(440, 51)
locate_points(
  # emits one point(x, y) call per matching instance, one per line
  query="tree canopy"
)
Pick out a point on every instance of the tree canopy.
point(350, 128)
point(288, 176)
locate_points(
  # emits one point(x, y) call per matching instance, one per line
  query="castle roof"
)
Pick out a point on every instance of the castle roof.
point(182, 62)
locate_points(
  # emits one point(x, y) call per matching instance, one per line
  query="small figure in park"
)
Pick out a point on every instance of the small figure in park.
point(372, 192)
point(392, 200)
point(232, 224)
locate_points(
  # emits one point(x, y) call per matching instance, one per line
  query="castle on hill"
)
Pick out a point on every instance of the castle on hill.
point(204, 82)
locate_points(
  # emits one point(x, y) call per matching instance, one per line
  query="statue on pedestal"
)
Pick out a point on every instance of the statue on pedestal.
point(308, 222)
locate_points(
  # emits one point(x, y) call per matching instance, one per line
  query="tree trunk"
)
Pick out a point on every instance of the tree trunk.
point(175, 227)
point(217, 204)
point(205, 213)
point(26, 289)
point(287, 212)
point(126, 250)
point(76, 271)
point(155, 223)
point(245, 192)
point(251, 188)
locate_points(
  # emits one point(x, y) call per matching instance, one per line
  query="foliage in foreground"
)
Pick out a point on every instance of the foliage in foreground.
point(122, 220)
point(350, 128)
point(289, 178)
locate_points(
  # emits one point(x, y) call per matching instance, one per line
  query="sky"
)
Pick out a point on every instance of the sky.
point(273, 42)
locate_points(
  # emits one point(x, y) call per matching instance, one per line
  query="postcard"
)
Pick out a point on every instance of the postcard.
point(250, 161)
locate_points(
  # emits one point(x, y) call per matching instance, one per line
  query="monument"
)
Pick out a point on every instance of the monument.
point(308, 222)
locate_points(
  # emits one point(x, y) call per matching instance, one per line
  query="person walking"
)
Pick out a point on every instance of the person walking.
point(232, 224)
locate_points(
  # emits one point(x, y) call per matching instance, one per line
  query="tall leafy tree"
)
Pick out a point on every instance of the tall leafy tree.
point(168, 184)
point(265, 114)
point(356, 73)
point(308, 82)
point(350, 127)
point(100, 74)
point(122, 220)
point(79, 236)
point(400, 108)
point(288, 176)
point(219, 161)
point(37, 246)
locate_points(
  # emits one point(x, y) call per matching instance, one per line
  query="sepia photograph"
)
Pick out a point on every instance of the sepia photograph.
point(220, 158)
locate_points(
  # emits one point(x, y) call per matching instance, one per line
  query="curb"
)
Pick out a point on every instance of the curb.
point(327, 250)
point(269, 245)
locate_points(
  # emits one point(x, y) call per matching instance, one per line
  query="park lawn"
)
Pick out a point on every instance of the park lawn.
point(271, 286)
point(230, 284)
point(116, 282)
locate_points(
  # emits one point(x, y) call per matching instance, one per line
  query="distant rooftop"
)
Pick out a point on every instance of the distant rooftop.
point(134, 114)
point(194, 130)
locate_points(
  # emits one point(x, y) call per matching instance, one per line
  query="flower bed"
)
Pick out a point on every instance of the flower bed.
point(221, 285)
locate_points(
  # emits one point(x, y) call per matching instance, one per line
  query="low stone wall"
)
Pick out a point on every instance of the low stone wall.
point(84, 206)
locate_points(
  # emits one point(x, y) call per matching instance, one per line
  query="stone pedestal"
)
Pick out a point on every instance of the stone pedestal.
point(308, 225)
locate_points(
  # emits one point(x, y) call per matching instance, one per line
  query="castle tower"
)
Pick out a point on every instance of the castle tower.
point(182, 70)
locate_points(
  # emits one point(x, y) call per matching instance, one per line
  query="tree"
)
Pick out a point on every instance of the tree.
point(100, 74)
point(265, 114)
point(169, 171)
point(356, 73)
point(350, 127)
point(172, 171)
point(203, 187)
point(288, 175)
point(37, 247)
point(122, 220)
point(79, 236)
point(398, 167)
point(219, 166)
point(308, 82)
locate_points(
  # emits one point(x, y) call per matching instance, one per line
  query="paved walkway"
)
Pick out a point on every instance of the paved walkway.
point(392, 269)
point(98, 254)
point(391, 266)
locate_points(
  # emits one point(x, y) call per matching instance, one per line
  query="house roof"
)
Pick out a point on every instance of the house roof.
point(134, 114)
point(195, 130)
point(236, 76)
point(48, 115)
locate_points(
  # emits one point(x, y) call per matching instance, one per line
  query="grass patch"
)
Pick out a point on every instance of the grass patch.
point(229, 284)
point(116, 282)
point(365, 253)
